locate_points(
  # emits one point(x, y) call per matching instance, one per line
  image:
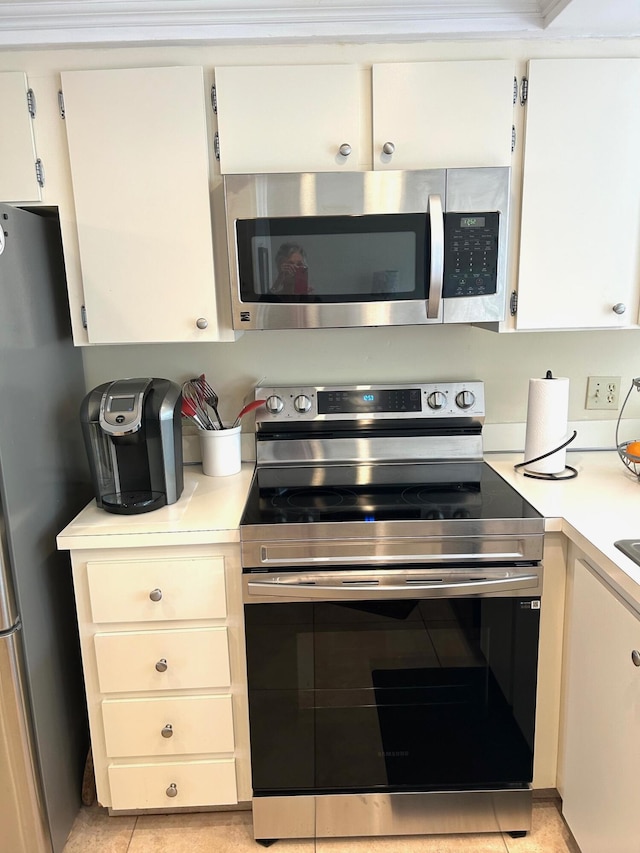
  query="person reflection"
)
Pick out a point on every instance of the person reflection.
point(292, 271)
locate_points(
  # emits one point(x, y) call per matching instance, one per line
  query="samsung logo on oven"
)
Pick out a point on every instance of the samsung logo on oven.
point(394, 753)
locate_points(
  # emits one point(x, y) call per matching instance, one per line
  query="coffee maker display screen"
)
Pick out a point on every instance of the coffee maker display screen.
point(122, 404)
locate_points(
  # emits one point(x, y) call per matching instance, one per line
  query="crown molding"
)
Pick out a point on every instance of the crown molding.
point(81, 23)
point(56, 23)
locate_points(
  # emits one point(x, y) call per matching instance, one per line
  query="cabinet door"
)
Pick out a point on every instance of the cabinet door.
point(173, 785)
point(131, 661)
point(190, 724)
point(602, 723)
point(580, 241)
point(156, 590)
point(288, 118)
point(442, 114)
point(140, 173)
point(18, 157)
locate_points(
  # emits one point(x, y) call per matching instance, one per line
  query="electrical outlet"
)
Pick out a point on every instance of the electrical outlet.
point(602, 392)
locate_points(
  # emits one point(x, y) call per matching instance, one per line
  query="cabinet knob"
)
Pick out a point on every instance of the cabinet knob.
point(155, 595)
point(167, 731)
point(345, 149)
point(172, 790)
point(202, 322)
point(619, 308)
point(162, 665)
point(388, 148)
point(635, 657)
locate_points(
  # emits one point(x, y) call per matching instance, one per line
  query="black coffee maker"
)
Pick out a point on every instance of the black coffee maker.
point(132, 430)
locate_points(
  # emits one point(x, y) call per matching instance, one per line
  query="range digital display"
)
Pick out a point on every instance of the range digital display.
point(361, 402)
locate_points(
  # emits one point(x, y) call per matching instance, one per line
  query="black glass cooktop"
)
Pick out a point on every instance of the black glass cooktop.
point(392, 492)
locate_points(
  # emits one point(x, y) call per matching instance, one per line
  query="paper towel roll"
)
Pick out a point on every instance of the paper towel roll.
point(547, 419)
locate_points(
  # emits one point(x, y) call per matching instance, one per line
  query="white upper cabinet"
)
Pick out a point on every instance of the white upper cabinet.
point(431, 115)
point(18, 181)
point(141, 186)
point(307, 118)
point(580, 243)
point(289, 118)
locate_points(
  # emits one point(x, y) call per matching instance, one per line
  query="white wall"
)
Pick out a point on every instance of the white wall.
point(504, 362)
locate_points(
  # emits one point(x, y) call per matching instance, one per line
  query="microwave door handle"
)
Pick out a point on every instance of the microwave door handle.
point(436, 259)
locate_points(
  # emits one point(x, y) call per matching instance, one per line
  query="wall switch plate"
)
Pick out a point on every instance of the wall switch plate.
point(602, 392)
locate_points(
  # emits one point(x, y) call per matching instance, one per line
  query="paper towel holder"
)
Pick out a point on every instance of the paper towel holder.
point(569, 471)
point(563, 475)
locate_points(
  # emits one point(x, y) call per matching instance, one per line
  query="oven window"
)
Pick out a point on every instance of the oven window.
point(332, 258)
point(392, 696)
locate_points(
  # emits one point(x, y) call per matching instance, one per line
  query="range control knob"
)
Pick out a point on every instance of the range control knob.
point(436, 400)
point(465, 399)
point(274, 405)
point(302, 403)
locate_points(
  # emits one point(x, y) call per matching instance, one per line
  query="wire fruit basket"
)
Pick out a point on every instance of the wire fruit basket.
point(629, 451)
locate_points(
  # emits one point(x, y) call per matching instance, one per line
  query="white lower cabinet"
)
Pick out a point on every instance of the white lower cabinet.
point(162, 660)
point(168, 726)
point(175, 784)
point(600, 755)
point(162, 641)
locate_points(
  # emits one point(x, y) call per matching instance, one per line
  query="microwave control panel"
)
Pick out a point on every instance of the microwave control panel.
point(470, 254)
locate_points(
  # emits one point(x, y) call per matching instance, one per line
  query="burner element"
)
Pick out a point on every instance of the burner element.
point(315, 498)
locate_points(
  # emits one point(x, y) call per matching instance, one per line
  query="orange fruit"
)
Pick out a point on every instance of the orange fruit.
point(633, 449)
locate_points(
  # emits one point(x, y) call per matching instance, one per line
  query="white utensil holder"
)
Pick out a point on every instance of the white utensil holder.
point(220, 451)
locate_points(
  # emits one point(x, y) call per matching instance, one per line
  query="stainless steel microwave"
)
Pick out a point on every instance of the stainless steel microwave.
point(352, 249)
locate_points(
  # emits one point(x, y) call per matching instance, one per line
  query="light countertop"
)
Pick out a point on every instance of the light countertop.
point(207, 512)
point(599, 506)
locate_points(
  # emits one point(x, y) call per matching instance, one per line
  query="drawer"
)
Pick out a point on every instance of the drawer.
point(173, 784)
point(178, 659)
point(180, 726)
point(157, 590)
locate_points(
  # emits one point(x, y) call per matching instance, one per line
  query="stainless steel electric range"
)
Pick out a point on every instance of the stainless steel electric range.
point(392, 585)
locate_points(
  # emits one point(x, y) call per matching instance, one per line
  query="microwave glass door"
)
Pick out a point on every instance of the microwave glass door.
point(333, 259)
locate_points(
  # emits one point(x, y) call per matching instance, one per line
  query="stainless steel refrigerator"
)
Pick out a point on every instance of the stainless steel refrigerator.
point(43, 484)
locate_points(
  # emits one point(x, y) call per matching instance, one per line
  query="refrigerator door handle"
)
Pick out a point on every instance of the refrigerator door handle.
point(8, 607)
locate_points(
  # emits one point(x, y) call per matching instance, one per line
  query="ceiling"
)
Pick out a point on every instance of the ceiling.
point(49, 23)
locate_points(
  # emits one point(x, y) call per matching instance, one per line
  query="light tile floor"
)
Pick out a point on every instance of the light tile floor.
point(218, 832)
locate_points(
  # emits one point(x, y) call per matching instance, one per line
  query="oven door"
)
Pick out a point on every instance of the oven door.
point(398, 681)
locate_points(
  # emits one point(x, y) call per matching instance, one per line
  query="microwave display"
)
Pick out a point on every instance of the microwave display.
point(332, 258)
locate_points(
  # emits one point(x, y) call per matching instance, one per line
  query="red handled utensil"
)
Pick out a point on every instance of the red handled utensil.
point(248, 408)
point(189, 411)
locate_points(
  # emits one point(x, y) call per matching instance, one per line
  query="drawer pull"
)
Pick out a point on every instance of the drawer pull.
point(155, 595)
point(167, 731)
point(162, 665)
point(635, 657)
point(172, 790)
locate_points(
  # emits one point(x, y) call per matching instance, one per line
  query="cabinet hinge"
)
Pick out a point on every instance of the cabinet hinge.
point(39, 172)
point(214, 100)
point(31, 103)
point(216, 145)
point(513, 138)
point(83, 316)
point(61, 105)
point(515, 90)
point(524, 91)
point(513, 303)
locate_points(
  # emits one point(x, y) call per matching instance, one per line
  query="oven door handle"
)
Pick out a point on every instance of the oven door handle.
point(436, 256)
point(368, 590)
